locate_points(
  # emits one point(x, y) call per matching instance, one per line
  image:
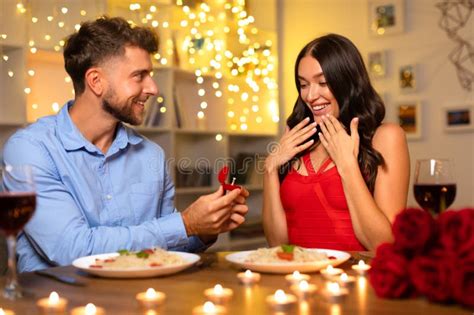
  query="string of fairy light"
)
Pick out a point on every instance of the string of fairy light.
point(240, 73)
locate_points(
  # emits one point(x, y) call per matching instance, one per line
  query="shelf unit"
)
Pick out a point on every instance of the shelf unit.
point(191, 141)
point(191, 148)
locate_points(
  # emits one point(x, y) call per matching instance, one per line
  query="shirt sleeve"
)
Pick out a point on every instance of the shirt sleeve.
point(61, 232)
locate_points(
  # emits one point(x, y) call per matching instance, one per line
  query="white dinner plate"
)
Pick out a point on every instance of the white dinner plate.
point(84, 263)
point(240, 258)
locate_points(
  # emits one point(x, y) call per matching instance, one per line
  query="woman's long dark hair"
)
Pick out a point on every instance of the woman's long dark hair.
point(349, 82)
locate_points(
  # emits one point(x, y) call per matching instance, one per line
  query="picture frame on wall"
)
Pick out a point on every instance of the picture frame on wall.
point(407, 78)
point(377, 63)
point(459, 118)
point(386, 17)
point(409, 118)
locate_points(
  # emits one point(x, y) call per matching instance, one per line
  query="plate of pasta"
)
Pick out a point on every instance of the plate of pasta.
point(140, 264)
point(287, 258)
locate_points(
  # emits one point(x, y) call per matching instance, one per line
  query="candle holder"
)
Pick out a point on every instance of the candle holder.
point(296, 277)
point(151, 299)
point(304, 290)
point(52, 304)
point(89, 309)
point(361, 268)
point(209, 308)
point(248, 277)
point(4, 311)
point(334, 293)
point(331, 272)
point(218, 294)
point(280, 301)
point(345, 280)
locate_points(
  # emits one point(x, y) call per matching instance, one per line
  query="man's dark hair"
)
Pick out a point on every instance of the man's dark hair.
point(99, 40)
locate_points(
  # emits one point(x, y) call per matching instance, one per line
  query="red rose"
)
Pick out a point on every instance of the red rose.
point(457, 231)
point(463, 281)
point(389, 273)
point(414, 230)
point(431, 275)
point(387, 249)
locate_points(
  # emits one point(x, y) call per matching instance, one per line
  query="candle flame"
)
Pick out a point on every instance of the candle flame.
point(280, 296)
point(344, 277)
point(333, 287)
point(248, 273)
point(296, 275)
point(90, 309)
point(218, 289)
point(53, 298)
point(303, 285)
point(329, 268)
point(361, 263)
point(209, 307)
point(150, 293)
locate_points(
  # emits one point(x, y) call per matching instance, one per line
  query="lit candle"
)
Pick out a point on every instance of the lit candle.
point(209, 308)
point(150, 298)
point(334, 293)
point(304, 290)
point(52, 304)
point(4, 311)
point(296, 277)
point(361, 268)
point(89, 309)
point(330, 272)
point(218, 294)
point(345, 280)
point(280, 301)
point(248, 277)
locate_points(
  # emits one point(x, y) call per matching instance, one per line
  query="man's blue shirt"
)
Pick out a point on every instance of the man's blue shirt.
point(89, 202)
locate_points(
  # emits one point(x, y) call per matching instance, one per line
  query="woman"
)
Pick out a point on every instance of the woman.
point(343, 188)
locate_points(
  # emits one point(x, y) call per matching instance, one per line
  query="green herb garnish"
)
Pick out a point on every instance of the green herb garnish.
point(142, 254)
point(123, 252)
point(288, 248)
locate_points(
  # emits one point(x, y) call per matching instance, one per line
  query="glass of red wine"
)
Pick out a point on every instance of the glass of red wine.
point(17, 204)
point(434, 187)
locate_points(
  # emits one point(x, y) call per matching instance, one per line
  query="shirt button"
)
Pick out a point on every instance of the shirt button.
point(108, 197)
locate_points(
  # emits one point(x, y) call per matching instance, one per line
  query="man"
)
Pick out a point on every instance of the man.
point(100, 186)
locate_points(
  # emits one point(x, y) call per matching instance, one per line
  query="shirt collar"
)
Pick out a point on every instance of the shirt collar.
point(125, 135)
point(72, 139)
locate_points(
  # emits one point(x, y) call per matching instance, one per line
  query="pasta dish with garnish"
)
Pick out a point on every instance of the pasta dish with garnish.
point(285, 254)
point(145, 258)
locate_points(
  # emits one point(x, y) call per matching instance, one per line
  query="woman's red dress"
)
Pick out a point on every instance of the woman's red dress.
point(316, 210)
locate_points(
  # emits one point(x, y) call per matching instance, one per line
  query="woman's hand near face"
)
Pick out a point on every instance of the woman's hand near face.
point(291, 143)
point(337, 142)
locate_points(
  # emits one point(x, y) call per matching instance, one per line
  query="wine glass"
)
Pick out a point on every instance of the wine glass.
point(434, 187)
point(17, 204)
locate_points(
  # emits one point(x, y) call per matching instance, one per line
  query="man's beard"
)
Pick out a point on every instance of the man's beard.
point(124, 114)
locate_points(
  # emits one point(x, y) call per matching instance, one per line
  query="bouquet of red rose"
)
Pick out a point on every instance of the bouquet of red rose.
point(430, 257)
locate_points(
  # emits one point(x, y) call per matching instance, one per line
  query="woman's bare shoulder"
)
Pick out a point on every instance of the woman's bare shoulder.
point(388, 134)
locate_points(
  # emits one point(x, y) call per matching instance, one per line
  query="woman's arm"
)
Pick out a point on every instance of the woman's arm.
point(371, 216)
point(291, 143)
point(274, 219)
